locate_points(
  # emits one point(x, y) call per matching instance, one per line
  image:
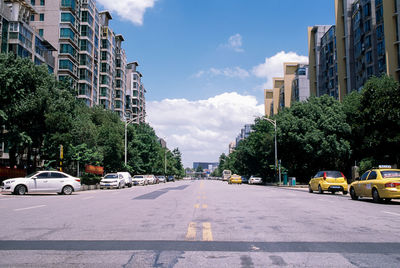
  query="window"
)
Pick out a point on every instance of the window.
point(67, 48)
point(364, 176)
point(42, 2)
point(379, 14)
point(381, 48)
point(32, 17)
point(43, 175)
point(372, 175)
point(68, 3)
point(67, 17)
point(41, 17)
point(368, 56)
point(41, 31)
point(367, 26)
point(66, 65)
point(32, 2)
point(379, 32)
point(56, 175)
point(67, 33)
point(367, 10)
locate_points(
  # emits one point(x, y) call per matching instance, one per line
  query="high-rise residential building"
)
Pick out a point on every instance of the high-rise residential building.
point(135, 98)
point(232, 146)
point(327, 77)
point(315, 34)
point(301, 84)
point(18, 36)
point(366, 41)
point(244, 133)
point(90, 53)
point(268, 102)
point(58, 22)
point(293, 86)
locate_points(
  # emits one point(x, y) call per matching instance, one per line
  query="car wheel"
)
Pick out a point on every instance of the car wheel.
point(119, 186)
point(67, 190)
point(375, 196)
point(320, 191)
point(20, 190)
point(345, 192)
point(309, 189)
point(353, 194)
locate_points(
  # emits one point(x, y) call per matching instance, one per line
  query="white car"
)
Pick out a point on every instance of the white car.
point(112, 180)
point(255, 180)
point(127, 177)
point(151, 179)
point(139, 180)
point(43, 181)
point(162, 179)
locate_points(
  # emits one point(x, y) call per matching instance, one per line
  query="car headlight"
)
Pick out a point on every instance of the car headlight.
point(8, 182)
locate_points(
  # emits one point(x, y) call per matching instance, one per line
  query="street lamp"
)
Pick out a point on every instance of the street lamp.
point(273, 122)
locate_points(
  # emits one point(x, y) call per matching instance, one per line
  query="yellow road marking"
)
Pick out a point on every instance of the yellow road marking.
point(207, 235)
point(204, 206)
point(191, 232)
point(197, 205)
point(204, 197)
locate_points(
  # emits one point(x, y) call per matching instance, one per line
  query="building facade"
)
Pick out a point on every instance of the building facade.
point(301, 84)
point(366, 43)
point(135, 97)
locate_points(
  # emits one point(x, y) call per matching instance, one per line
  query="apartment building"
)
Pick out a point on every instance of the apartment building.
point(301, 84)
point(244, 133)
point(135, 98)
point(18, 36)
point(293, 86)
point(367, 44)
point(90, 53)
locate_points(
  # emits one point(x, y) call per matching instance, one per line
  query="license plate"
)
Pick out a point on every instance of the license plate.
point(335, 187)
point(107, 184)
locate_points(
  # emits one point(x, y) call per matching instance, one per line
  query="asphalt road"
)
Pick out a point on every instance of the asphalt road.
point(197, 224)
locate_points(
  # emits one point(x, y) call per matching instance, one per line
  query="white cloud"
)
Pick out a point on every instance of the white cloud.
point(132, 10)
point(227, 72)
point(273, 66)
point(234, 43)
point(202, 129)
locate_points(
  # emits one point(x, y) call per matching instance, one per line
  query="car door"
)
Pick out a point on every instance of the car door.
point(367, 189)
point(42, 182)
point(360, 186)
point(315, 181)
point(56, 181)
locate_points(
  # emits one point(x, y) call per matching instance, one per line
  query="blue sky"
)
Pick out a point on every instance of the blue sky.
point(196, 51)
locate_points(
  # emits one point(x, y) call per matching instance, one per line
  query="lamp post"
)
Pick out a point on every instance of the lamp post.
point(273, 122)
point(127, 122)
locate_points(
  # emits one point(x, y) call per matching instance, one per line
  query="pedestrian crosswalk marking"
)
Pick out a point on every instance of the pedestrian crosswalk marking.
point(207, 234)
point(191, 232)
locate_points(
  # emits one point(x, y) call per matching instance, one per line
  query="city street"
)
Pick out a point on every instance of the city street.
point(198, 224)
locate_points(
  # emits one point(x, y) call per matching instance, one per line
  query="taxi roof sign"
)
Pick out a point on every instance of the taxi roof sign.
point(385, 166)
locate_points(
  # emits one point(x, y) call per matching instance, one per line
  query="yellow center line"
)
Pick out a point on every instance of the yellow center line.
point(191, 232)
point(207, 234)
point(197, 205)
point(204, 206)
point(204, 197)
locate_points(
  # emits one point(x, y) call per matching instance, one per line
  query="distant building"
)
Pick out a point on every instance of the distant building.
point(135, 97)
point(244, 133)
point(301, 84)
point(232, 147)
point(206, 166)
point(162, 142)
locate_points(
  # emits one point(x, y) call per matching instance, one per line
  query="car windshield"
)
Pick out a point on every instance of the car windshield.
point(390, 174)
point(333, 174)
point(32, 174)
point(138, 177)
point(111, 176)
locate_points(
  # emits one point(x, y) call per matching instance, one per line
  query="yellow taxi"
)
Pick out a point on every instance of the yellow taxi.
point(328, 180)
point(235, 179)
point(382, 183)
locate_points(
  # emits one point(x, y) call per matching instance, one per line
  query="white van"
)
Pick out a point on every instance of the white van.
point(127, 177)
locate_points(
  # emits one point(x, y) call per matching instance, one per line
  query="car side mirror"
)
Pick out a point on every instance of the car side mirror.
point(34, 178)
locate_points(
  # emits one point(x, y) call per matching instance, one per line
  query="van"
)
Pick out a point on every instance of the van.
point(127, 177)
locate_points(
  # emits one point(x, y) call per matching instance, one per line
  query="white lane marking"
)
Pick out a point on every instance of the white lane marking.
point(391, 213)
point(19, 209)
point(86, 198)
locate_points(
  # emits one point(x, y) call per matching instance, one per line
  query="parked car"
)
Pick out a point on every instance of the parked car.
point(245, 180)
point(381, 183)
point(127, 177)
point(170, 178)
point(112, 180)
point(139, 180)
point(162, 179)
point(43, 181)
point(235, 179)
point(328, 180)
point(255, 180)
point(151, 179)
